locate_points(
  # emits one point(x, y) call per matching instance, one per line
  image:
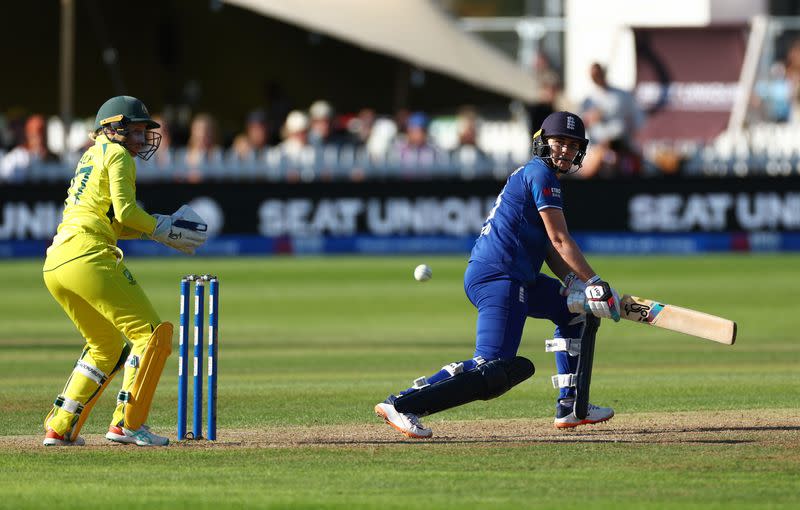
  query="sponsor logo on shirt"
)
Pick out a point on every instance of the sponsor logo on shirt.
point(552, 192)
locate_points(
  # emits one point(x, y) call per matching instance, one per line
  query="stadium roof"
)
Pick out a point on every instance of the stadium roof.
point(416, 31)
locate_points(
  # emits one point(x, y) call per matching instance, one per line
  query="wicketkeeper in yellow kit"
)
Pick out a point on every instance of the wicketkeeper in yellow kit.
point(84, 272)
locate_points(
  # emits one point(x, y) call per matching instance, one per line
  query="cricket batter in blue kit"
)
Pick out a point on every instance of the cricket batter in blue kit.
point(85, 274)
point(525, 229)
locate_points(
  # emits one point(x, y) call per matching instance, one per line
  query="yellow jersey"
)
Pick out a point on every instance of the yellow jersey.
point(101, 200)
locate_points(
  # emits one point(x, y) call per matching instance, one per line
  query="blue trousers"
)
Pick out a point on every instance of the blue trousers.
point(503, 306)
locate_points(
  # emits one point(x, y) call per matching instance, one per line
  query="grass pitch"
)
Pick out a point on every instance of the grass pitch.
point(308, 346)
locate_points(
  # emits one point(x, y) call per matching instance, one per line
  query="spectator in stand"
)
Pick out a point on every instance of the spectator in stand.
point(360, 126)
point(255, 137)
point(612, 118)
point(295, 143)
point(373, 132)
point(360, 129)
point(321, 115)
point(203, 146)
point(414, 155)
point(32, 151)
point(773, 95)
point(13, 128)
point(401, 122)
point(467, 156)
point(295, 135)
point(323, 131)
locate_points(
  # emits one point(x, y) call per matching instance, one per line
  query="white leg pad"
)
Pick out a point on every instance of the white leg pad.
point(570, 345)
point(565, 381)
point(454, 368)
point(420, 383)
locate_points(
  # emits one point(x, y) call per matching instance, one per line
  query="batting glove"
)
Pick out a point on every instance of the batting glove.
point(601, 300)
point(572, 284)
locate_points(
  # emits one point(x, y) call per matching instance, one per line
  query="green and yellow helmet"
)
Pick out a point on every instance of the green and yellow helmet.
point(117, 113)
point(123, 107)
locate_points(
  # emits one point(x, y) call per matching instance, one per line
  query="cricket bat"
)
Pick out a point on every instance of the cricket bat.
point(675, 318)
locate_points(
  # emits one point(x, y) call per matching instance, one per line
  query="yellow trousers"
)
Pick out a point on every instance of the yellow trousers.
point(87, 278)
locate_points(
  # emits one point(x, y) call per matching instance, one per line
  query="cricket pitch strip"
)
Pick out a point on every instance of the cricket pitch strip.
point(756, 426)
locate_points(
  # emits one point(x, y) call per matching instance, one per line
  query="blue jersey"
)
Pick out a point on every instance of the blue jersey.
point(513, 238)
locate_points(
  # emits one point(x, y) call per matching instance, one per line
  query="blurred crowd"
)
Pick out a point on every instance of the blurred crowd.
point(320, 143)
point(304, 144)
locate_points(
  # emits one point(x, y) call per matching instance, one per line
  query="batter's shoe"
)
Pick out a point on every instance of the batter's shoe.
point(566, 419)
point(52, 438)
point(408, 424)
point(141, 437)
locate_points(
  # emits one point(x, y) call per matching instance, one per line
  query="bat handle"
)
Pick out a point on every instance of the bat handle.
point(191, 225)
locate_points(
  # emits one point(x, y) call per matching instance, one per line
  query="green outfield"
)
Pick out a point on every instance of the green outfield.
point(309, 345)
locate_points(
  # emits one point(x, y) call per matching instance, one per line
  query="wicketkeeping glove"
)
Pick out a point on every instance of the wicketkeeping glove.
point(184, 230)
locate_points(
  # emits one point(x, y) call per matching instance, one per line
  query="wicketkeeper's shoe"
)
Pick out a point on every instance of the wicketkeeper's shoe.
point(565, 416)
point(141, 437)
point(408, 424)
point(52, 438)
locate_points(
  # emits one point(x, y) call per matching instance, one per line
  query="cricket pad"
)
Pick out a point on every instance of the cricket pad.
point(151, 365)
point(485, 382)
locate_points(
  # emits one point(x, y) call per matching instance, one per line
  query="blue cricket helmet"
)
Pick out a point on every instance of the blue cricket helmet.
point(562, 124)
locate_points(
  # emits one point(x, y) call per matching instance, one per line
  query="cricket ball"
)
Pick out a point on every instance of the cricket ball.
point(422, 273)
